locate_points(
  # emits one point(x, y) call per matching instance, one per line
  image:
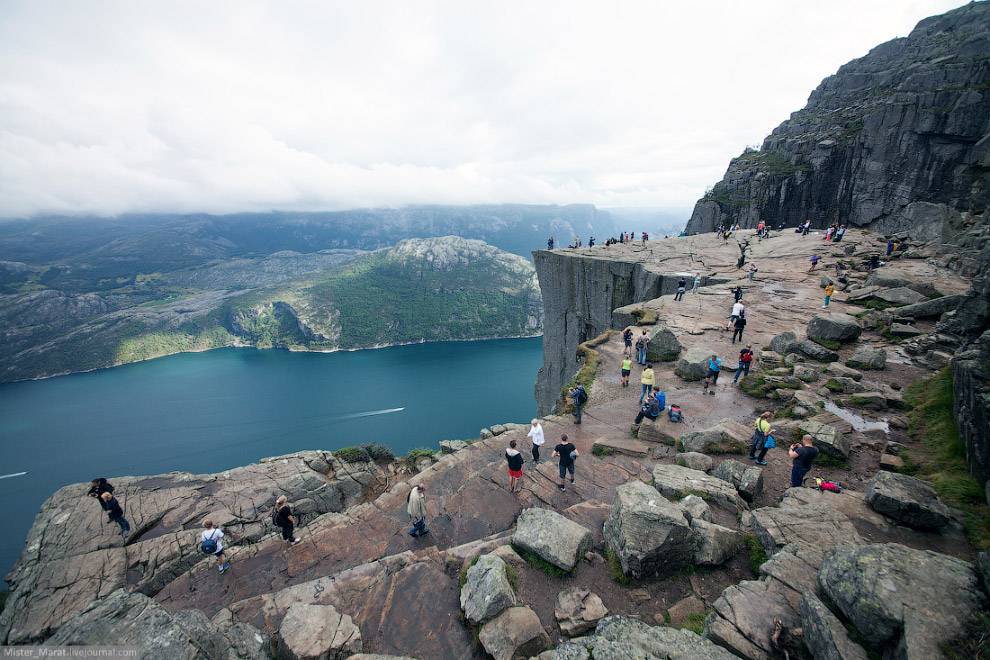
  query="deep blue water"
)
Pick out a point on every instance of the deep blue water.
point(207, 412)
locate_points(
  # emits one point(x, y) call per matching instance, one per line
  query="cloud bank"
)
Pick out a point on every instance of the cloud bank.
point(153, 106)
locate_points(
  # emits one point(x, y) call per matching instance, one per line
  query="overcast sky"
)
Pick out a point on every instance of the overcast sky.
point(145, 106)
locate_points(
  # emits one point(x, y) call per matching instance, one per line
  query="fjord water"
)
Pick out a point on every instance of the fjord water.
point(208, 412)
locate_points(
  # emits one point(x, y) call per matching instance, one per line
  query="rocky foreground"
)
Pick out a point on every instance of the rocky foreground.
point(649, 542)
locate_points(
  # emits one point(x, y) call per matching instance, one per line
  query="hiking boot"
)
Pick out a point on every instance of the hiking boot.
point(577, 421)
point(752, 458)
point(296, 541)
point(761, 462)
point(561, 487)
point(224, 567)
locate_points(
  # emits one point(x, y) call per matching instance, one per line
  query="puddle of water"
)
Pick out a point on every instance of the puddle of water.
point(859, 423)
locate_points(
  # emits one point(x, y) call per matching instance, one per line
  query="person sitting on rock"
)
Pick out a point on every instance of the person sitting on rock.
point(651, 408)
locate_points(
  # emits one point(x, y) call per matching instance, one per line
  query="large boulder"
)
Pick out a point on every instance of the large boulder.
point(807, 372)
point(695, 461)
point(648, 533)
point(317, 632)
point(900, 598)
point(714, 544)
point(552, 537)
point(676, 482)
point(907, 500)
point(929, 308)
point(867, 358)
point(830, 326)
point(816, 525)
point(516, 632)
point(816, 351)
point(784, 343)
point(899, 296)
point(693, 365)
point(824, 634)
point(748, 479)
point(577, 610)
point(486, 591)
point(727, 436)
point(837, 369)
point(693, 507)
point(622, 638)
point(663, 346)
point(126, 618)
point(827, 439)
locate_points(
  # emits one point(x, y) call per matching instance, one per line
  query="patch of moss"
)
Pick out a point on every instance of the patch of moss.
point(940, 457)
point(757, 555)
point(681, 462)
point(679, 445)
point(462, 576)
point(833, 385)
point(539, 562)
point(827, 343)
point(588, 371)
point(695, 622)
point(601, 452)
point(513, 577)
point(727, 447)
point(645, 316)
point(666, 357)
point(415, 454)
point(681, 494)
point(615, 568)
point(755, 384)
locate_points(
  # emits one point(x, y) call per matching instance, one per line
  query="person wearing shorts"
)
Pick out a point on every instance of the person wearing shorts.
point(515, 461)
point(567, 453)
point(215, 534)
point(627, 337)
point(624, 369)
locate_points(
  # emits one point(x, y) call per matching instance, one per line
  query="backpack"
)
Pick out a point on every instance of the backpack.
point(275, 516)
point(674, 413)
point(209, 546)
point(582, 396)
point(627, 335)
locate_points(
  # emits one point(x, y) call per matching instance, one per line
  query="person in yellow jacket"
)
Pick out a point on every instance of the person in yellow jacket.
point(756, 443)
point(647, 380)
point(829, 290)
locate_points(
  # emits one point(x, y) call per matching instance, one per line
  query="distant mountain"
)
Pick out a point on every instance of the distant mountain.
point(658, 221)
point(432, 289)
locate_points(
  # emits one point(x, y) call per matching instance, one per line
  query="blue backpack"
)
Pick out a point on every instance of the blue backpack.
point(209, 546)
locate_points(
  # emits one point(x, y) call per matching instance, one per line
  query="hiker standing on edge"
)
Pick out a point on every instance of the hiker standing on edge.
point(580, 398)
point(283, 518)
point(745, 361)
point(417, 510)
point(624, 370)
point(641, 343)
point(116, 514)
point(515, 461)
point(567, 453)
point(536, 433)
point(550, 243)
point(647, 380)
point(98, 487)
point(211, 539)
point(803, 454)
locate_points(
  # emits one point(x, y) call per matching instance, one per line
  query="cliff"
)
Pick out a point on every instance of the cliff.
point(896, 140)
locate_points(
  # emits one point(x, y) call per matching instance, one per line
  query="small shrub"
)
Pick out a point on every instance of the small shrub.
point(645, 316)
point(541, 563)
point(727, 447)
point(378, 452)
point(681, 462)
point(510, 572)
point(679, 445)
point(601, 452)
point(415, 454)
point(827, 343)
point(757, 555)
point(462, 576)
point(696, 622)
point(755, 384)
point(615, 568)
point(352, 455)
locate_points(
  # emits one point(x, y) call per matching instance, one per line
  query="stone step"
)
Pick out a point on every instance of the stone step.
point(627, 446)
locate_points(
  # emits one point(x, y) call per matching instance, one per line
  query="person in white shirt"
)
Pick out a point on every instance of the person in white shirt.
point(737, 311)
point(536, 433)
point(212, 535)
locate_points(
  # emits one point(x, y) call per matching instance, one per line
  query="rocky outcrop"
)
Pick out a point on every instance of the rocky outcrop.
point(907, 500)
point(648, 533)
point(917, 601)
point(553, 537)
point(515, 633)
point(676, 482)
point(622, 638)
point(486, 591)
point(833, 327)
point(828, 439)
point(317, 632)
point(577, 610)
point(893, 141)
point(663, 346)
point(824, 634)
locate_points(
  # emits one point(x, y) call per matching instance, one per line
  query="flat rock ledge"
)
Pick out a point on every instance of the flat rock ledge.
point(675, 482)
point(622, 638)
point(317, 632)
point(552, 537)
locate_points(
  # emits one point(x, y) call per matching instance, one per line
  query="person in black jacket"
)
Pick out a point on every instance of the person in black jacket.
point(283, 518)
point(116, 514)
point(651, 409)
point(739, 326)
point(99, 487)
point(515, 461)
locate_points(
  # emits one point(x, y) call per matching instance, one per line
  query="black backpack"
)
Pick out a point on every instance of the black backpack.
point(675, 414)
point(582, 396)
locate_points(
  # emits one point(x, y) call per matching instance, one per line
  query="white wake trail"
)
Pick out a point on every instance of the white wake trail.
point(15, 474)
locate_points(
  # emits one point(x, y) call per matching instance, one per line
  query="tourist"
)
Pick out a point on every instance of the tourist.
point(283, 518)
point(714, 369)
point(211, 544)
point(515, 461)
point(759, 230)
point(803, 454)
point(737, 294)
point(580, 398)
point(659, 395)
point(752, 271)
point(738, 309)
point(758, 442)
point(98, 487)
point(814, 262)
point(642, 342)
point(624, 369)
point(745, 361)
point(647, 380)
point(829, 290)
point(839, 233)
point(115, 512)
point(681, 288)
point(627, 337)
point(651, 408)
point(591, 242)
point(828, 233)
point(536, 433)
point(417, 510)
point(567, 453)
point(890, 248)
point(807, 228)
point(550, 243)
point(697, 283)
point(874, 263)
point(738, 327)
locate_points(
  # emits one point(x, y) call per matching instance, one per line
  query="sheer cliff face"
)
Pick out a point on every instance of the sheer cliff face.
point(896, 140)
point(579, 294)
